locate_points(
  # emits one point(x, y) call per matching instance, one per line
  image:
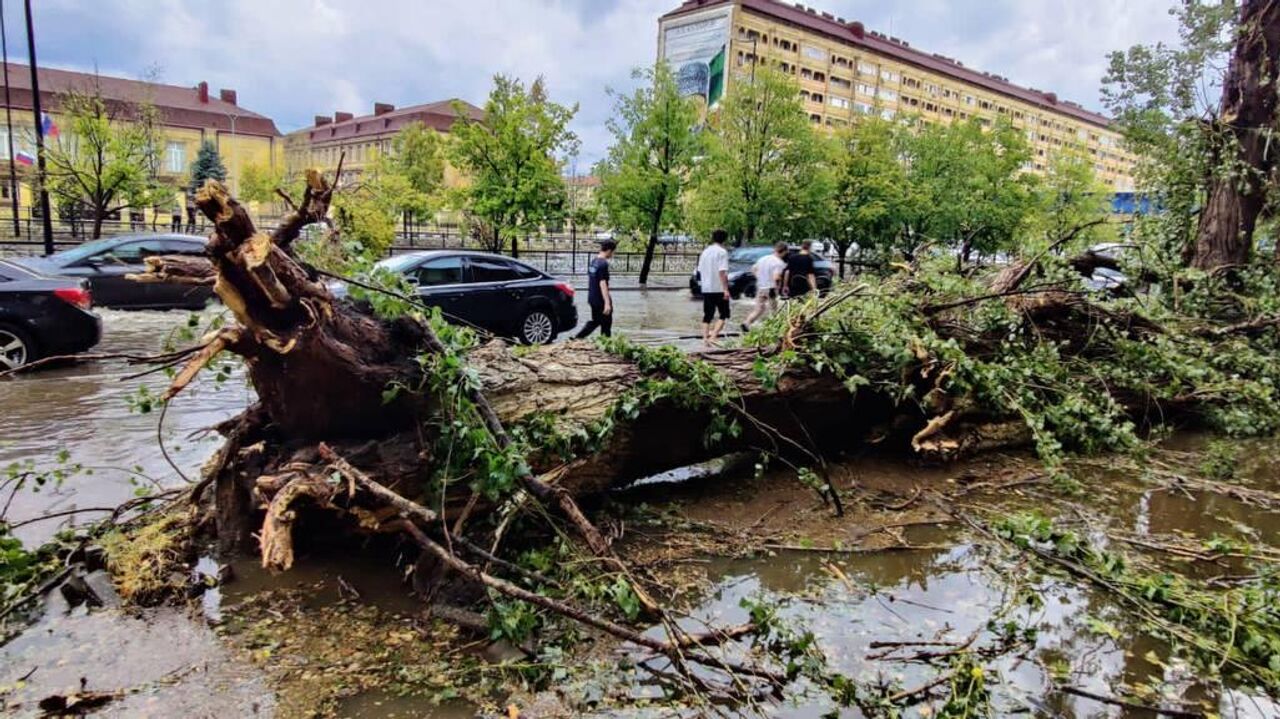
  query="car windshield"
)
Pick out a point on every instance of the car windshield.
point(399, 263)
point(88, 249)
point(749, 254)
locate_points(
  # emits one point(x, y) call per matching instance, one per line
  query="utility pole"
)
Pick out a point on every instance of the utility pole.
point(8, 121)
point(35, 109)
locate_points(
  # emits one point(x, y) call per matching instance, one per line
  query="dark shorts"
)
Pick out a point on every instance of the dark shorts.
point(712, 304)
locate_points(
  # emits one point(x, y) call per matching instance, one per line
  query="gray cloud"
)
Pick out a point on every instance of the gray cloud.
point(292, 59)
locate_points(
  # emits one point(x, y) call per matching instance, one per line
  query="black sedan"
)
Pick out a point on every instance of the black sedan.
point(742, 283)
point(105, 264)
point(43, 316)
point(495, 293)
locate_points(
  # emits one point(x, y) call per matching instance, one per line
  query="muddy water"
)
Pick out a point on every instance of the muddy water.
point(84, 408)
point(945, 593)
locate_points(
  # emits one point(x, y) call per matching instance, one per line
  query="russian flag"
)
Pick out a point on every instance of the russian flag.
point(24, 159)
point(47, 125)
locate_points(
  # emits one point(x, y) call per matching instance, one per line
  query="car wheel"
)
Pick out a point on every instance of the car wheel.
point(537, 328)
point(16, 348)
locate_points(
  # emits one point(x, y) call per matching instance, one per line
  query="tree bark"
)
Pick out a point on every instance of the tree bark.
point(652, 245)
point(1235, 199)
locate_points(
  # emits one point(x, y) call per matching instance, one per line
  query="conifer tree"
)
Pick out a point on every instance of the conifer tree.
point(208, 165)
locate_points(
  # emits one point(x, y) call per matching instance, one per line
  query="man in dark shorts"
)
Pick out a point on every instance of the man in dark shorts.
point(713, 275)
point(800, 278)
point(598, 297)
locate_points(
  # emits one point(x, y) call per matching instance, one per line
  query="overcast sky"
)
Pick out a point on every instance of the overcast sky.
point(293, 59)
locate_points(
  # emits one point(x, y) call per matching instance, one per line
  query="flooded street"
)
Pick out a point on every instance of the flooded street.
point(85, 409)
point(884, 591)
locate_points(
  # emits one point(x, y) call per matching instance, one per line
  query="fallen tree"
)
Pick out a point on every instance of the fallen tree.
point(401, 423)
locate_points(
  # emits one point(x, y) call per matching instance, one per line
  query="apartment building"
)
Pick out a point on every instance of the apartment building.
point(845, 71)
point(190, 115)
point(357, 141)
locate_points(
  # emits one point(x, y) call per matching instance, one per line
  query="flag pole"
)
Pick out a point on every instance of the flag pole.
point(35, 109)
point(8, 121)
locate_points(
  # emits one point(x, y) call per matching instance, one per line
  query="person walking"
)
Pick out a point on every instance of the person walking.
point(713, 276)
point(176, 224)
point(191, 213)
point(768, 271)
point(599, 298)
point(800, 278)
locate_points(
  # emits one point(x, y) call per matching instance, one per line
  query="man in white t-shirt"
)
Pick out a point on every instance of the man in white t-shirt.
point(713, 275)
point(768, 271)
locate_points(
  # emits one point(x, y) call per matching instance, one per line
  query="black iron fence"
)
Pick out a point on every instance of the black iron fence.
point(555, 254)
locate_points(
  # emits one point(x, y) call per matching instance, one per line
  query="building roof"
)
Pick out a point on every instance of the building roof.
point(341, 127)
point(180, 106)
point(853, 33)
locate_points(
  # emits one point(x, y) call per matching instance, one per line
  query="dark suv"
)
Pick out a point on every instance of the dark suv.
point(742, 283)
point(495, 293)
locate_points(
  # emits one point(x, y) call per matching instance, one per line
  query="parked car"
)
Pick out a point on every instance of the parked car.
point(43, 316)
point(742, 283)
point(495, 293)
point(106, 262)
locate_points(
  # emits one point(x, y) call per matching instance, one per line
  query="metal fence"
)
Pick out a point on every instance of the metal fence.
point(555, 254)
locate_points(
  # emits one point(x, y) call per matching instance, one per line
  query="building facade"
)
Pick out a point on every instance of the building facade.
point(845, 70)
point(189, 116)
point(358, 141)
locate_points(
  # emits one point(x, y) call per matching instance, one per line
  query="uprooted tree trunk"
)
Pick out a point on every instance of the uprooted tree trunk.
point(1247, 121)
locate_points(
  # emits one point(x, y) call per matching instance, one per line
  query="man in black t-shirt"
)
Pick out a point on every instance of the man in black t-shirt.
point(800, 279)
point(598, 297)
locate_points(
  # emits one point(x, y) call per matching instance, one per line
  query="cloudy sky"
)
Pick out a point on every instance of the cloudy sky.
point(292, 59)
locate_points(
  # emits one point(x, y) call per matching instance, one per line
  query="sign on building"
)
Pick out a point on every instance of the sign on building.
point(697, 51)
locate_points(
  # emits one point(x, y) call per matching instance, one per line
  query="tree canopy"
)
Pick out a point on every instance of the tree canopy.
point(652, 157)
point(512, 159)
point(763, 176)
point(207, 166)
point(100, 163)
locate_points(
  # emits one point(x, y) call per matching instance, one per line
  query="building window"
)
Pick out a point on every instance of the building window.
point(887, 94)
point(868, 69)
point(4, 144)
point(175, 157)
point(862, 107)
point(839, 102)
point(866, 89)
point(888, 76)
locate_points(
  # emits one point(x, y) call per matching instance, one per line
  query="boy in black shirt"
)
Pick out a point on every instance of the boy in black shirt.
point(598, 297)
point(800, 279)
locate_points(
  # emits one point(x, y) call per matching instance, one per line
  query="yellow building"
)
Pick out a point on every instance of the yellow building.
point(359, 140)
point(189, 115)
point(845, 70)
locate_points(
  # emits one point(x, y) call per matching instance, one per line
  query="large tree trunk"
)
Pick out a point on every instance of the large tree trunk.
point(1248, 115)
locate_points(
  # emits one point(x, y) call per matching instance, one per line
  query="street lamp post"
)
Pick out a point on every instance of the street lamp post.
point(8, 122)
point(232, 118)
point(35, 109)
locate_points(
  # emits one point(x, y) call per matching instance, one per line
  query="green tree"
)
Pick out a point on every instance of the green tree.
point(651, 159)
point(511, 160)
point(966, 185)
point(413, 171)
point(207, 166)
point(764, 175)
point(1071, 204)
point(1208, 156)
point(868, 187)
point(99, 163)
point(258, 183)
